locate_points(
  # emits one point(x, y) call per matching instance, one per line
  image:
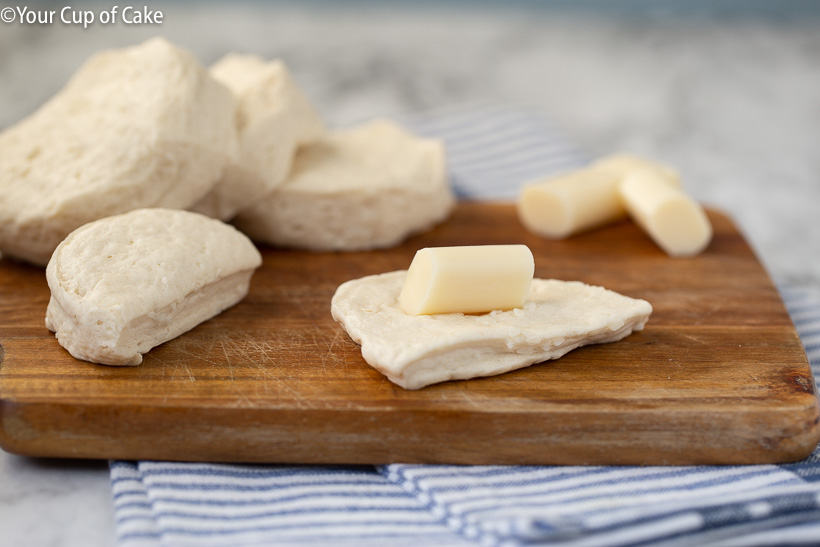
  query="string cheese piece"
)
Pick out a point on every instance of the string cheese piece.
point(621, 165)
point(469, 279)
point(584, 199)
point(571, 203)
point(416, 351)
point(672, 219)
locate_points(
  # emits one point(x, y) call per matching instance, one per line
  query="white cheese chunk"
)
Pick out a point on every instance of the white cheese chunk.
point(367, 187)
point(127, 283)
point(273, 120)
point(621, 165)
point(144, 126)
point(469, 279)
point(416, 351)
point(586, 198)
point(571, 203)
point(672, 219)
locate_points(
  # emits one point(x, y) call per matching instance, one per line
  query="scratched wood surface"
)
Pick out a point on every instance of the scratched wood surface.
point(717, 376)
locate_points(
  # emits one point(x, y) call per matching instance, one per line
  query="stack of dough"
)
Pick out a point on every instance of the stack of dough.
point(297, 186)
point(124, 284)
point(144, 126)
point(274, 119)
point(364, 188)
point(149, 127)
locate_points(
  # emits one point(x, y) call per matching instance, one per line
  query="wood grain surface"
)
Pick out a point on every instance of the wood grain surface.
point(717, 376)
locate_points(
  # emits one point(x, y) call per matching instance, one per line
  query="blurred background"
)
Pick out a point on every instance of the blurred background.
point(727, 92)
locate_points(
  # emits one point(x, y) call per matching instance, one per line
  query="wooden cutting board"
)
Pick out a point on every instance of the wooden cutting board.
point(718, 375)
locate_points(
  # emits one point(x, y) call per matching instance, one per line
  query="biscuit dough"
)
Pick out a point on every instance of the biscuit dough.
point(125, 284)
point(416, 351)
point(144, 126)
point(273, 120)
point(363, 188)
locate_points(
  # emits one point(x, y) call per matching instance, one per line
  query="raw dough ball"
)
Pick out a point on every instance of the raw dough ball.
point(364, 188)
point(416, 351)
point(273, 120)
point(125, 284)
point(144, 126)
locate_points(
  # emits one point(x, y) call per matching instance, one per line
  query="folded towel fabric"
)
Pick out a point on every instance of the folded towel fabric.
point(491, 150)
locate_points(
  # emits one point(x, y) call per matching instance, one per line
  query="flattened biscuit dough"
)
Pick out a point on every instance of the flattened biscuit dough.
point(368, 187)
point(144, 126)
point(416, 351)
point(125, 284)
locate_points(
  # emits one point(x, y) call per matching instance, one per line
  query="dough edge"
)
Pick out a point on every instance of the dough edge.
point(487, 357)
point(146, 332)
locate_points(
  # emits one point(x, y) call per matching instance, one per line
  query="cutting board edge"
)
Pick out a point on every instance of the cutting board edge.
point(44, 429)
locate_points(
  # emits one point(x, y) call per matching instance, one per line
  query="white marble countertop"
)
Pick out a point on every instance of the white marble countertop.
point(732, 101)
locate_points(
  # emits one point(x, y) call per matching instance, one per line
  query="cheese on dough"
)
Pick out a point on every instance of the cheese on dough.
point(416, 351)
point(125, 284)
point(144, 126)
point(273, 120)
point(467, 279)
point(364, 188)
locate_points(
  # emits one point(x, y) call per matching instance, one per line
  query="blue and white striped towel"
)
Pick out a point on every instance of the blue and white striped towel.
point(491, 151)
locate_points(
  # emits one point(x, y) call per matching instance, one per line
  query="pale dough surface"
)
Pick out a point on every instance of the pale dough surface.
point(274, 118)
point(144, 126)
point(124, 284)
point(416, 351)
point(368, 187)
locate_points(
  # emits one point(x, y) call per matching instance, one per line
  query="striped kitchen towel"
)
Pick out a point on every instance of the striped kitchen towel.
point(491, 151)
